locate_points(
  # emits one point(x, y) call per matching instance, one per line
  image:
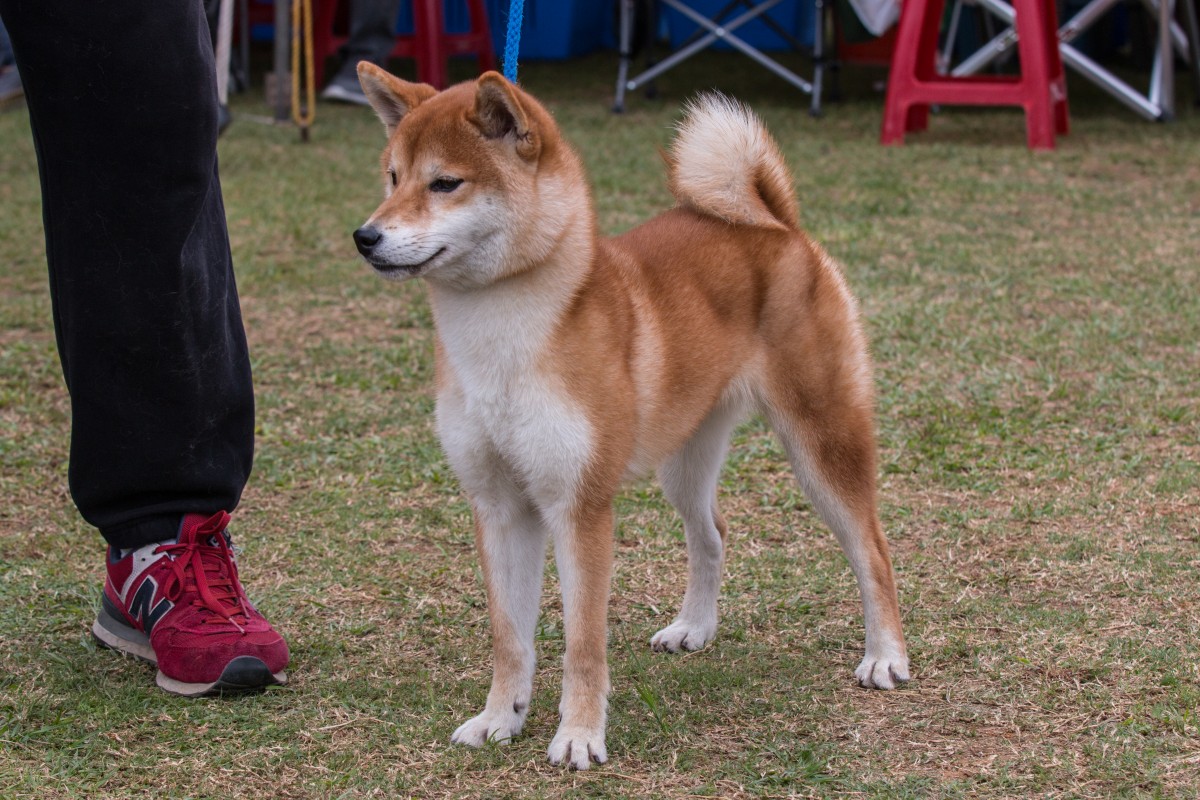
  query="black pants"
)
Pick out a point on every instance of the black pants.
point(122, 102)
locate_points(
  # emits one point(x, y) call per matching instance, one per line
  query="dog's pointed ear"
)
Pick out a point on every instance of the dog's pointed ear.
point(499, 114)
point(391, 97)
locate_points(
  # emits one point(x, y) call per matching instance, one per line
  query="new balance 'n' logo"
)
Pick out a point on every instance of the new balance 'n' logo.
point(142, 607)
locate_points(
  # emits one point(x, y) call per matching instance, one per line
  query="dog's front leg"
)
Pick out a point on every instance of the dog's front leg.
point(512, 549)
point(583, 548)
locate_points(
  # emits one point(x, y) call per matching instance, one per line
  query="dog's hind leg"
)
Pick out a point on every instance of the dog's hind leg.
point(689, 481)
point(829, 438)
point(511, 539)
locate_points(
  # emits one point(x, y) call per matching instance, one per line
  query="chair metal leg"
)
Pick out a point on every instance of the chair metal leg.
point(1162, 73)
point(1193, 36)
point(626, 49)
point(818, 58)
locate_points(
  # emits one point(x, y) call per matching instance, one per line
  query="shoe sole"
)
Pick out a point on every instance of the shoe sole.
point(242, 674)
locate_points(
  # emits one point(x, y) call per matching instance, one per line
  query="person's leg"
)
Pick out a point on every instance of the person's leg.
point(122, 102)
point(372, 37)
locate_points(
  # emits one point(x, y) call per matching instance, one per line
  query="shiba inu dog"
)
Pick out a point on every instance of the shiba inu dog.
point(568, 363)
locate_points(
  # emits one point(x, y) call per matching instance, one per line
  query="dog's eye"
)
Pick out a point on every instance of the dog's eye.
point(445, 184)
point(392, 175)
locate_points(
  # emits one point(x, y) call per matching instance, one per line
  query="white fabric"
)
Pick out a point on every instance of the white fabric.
point(877, 15)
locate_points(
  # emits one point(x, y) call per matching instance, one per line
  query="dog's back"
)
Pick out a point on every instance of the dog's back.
point(726, 289)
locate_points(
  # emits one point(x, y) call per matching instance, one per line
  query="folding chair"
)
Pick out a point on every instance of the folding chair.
point(719, 30)
point(1159, 101)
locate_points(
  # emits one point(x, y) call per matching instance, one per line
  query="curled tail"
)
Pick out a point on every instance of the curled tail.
point(724, 163)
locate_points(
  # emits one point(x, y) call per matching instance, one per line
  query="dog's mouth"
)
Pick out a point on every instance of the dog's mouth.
point(405, 269)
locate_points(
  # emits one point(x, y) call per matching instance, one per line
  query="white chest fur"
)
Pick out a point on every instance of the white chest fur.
point(503, 418)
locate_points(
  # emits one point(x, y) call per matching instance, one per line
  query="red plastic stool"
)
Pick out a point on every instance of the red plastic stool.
point(429, 43)
point(914, 84)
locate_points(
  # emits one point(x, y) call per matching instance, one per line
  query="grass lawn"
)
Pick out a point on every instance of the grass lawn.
point(1035, 319)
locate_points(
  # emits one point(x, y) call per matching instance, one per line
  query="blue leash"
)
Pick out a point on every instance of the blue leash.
point(512, 43)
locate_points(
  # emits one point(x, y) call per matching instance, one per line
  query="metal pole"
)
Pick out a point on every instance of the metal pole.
point(1166, 59)
point(626, 46)
point(1193, 35)
point(244, 45)
point(818, 58)
point(222, 54)
point(283, 38)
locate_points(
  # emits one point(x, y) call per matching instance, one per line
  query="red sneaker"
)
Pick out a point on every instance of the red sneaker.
point(179, 605)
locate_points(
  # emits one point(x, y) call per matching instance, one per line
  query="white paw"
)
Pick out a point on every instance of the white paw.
point(885, 671)
point(577, 748)
point(683, 635)
point(490, 726)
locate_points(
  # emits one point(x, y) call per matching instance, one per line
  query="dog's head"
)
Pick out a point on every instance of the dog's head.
point(474, 178)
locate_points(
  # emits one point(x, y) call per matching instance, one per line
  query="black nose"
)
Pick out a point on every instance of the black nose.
point(365, 238)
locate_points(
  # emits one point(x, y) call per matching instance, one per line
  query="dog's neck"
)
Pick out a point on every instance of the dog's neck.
point(495, 334)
